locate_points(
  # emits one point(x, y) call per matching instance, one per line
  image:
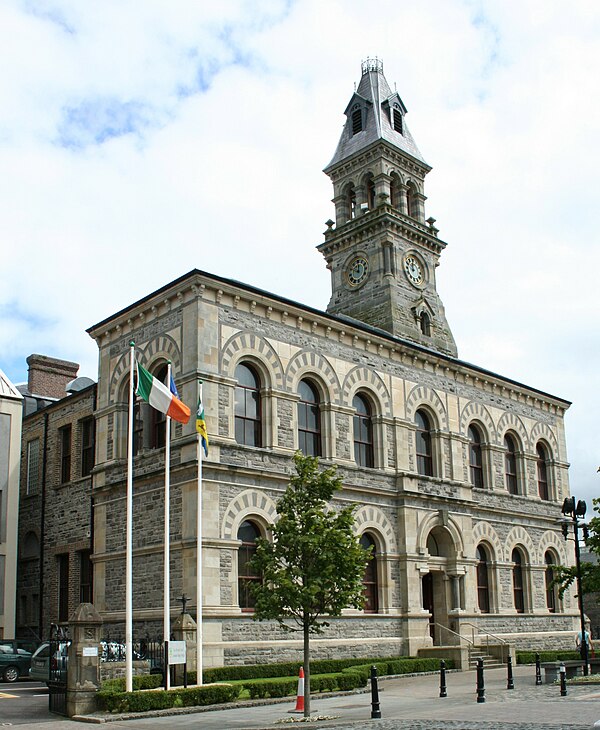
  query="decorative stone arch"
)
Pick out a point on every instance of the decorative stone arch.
point(519, 537)
point(415, 183)
point(362, 378)
point(444, 520)
point(369, 518)
point(250, 503)
point(541, 432)
point(248, 346)
point(551, 541)
point(313, 364)
point(163, 347)
point(484, 532)
point(421, 395)
point(510, 422)
point(477, 412)
point(395, 170)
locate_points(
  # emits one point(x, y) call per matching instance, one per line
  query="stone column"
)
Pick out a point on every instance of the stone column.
point(184, 629)
point(83, 669)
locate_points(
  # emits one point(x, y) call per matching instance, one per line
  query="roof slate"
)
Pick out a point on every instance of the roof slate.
point(374, 88)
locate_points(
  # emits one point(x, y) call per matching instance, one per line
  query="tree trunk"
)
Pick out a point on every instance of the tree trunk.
point(306, 670)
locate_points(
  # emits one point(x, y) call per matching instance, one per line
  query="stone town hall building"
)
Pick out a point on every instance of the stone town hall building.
point(457, 473)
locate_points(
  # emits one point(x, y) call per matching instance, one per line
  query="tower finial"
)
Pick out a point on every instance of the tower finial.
point(371, 64)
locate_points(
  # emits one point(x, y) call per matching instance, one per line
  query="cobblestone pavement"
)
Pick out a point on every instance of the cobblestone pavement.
point(407, 703)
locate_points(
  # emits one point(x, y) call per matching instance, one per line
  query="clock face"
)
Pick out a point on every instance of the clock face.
point(357, 270)
point(414, 270)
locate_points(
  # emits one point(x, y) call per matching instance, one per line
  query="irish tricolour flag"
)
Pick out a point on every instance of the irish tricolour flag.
point(160, 397)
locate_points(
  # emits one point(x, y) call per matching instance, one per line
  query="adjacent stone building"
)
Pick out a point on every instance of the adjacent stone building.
point(11, 408)
point(458, 473)
point(55, 521)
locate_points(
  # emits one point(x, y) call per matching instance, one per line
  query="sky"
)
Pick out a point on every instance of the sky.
point(141, 140)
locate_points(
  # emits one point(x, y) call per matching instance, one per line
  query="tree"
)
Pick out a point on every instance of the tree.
point(590, 572)
point(315, 564)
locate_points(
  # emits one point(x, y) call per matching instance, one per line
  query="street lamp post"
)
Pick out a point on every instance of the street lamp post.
point(575, 511)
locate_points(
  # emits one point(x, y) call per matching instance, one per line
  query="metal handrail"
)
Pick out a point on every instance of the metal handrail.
point(441, 626)
point(487, 634)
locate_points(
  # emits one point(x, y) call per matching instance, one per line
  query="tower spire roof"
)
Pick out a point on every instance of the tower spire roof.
point(378, 105)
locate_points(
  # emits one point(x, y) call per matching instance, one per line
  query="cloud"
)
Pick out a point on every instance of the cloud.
point(196, 135)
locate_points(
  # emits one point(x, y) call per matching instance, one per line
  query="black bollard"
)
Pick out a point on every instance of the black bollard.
point(563, 681)
point(480, 685)
point(443, 692)
point(538, 670)
point(510, 684)
point(375, 708)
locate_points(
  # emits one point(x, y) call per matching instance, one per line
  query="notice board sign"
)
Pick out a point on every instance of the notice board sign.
point(177, 653)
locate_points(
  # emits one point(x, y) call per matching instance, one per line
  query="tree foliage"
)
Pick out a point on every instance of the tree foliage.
point(565, 577)
point(315, 564)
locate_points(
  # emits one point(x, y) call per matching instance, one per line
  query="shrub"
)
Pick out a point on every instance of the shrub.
point(290, 669)
point(528, 657)
point(111, 700)
point(140, 681)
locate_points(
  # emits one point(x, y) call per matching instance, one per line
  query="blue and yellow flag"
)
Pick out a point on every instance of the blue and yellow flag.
point(201, 426)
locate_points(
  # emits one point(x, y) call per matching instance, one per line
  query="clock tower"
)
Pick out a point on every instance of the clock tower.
point(381, 251)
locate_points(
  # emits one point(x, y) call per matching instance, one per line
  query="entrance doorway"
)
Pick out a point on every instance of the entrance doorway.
point(428, 603)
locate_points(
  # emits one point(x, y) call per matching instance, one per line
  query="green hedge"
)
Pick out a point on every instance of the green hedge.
point(528, 657)
point(402, 665)
point(111, 700)
point(140, 681)
point(349, 678)
point(285, 686)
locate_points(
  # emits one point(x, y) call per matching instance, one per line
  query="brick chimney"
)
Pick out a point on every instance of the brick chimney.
point(49, 376)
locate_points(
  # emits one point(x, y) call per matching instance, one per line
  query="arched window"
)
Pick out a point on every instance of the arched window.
point(370, 185)
point(518, 589)
point(510, 464)
point(475, 457)
point(397, 118)
point(149, 424)
point(157, 420)
point(350, 202)
point(395, 190)
point(411, 200)
point(248, 427)
point(357, 122)
point(31, 546)
point(247, 533)
point(370, 578)
point(483, 584)
point(425, 324)
point(551, 601)
point(363, 432)
point(309, 420)
point(423, 444)
point(542, 472)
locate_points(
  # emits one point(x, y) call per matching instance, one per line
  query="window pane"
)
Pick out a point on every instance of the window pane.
point(248, 427)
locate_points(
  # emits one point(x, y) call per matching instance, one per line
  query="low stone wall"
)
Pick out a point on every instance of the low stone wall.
point(116, 670)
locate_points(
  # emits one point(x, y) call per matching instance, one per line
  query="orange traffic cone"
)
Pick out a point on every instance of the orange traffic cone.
point(300, 693)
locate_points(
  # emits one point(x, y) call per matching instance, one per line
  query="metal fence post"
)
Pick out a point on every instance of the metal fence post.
point(510, 684)
point(375, 707)
point(563, 681)
point(538, 670)
point(443, 692)
point(480, 684)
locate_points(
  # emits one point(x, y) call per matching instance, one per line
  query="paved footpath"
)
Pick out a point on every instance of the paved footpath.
point(407, 703)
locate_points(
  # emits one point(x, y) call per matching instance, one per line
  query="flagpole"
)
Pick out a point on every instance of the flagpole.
point(199, 632)
point(129, 535)
point(167, 546)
